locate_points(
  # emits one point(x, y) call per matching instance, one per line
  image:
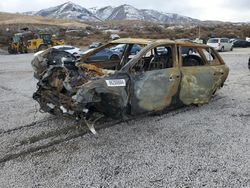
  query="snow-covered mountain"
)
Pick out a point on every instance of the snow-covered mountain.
point(67, 10)
point(70, 10)
point(104, 13)
point(169, 18)
point(126, 12)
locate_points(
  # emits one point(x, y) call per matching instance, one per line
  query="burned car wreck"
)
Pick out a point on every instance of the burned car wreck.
point(153, 80)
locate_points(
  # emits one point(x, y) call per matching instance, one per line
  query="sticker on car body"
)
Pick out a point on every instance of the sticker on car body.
point(116, 82)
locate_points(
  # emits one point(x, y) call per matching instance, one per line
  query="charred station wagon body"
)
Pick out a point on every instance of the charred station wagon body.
point(131, 85)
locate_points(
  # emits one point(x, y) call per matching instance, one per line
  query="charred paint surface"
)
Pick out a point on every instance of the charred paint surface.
point(98, 95)
point(199, 83)
point(154, 89)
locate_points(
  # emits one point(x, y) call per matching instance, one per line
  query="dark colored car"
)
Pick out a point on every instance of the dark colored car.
point(241, 43)
point(149, 82)
point(105, 54)
point(121, 47)
point(187, 50)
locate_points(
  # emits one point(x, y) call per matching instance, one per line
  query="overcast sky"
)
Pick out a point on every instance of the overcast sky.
point(223, 10)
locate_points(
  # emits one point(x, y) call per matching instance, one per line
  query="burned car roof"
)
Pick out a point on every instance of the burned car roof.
point(161, 76)
point(155, 41)
point(131, 41)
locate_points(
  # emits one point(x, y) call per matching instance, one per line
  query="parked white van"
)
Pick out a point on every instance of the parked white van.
point(220, 44)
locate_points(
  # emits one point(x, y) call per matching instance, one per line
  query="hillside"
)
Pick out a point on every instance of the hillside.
point(12, 19)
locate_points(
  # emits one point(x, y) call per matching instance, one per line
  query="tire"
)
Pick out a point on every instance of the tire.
point(10, 50)
point(42, 47)
point(22, 50)
point(231, 49)
point(222, 49)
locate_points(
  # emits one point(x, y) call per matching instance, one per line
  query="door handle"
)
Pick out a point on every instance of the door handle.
point(218, 72)
point(172, 77)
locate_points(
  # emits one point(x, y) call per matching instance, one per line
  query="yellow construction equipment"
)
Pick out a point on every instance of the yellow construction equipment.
point(30, 42)
point(18, 43)
point(42, 42)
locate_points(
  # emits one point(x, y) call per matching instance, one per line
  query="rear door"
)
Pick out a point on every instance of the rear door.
point(226, 44)
point(202, 74)
point(155, 80)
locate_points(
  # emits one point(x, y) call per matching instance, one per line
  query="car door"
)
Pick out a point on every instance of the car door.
point(155, 83)
point(202, 75)
point(227, 44)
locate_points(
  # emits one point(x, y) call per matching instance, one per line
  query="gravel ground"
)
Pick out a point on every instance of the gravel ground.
point(3, 52)
point(206, 146)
